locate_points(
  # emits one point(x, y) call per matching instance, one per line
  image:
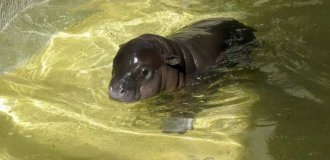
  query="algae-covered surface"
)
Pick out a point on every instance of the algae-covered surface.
point(55, 67)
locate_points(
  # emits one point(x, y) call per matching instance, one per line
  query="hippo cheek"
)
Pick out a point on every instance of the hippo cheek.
point(123, 90)
point(152, 87)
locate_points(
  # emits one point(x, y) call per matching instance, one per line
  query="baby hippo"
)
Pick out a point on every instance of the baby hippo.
point(150, 64)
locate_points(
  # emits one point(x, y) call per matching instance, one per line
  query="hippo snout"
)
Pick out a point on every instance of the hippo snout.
point(120, 92)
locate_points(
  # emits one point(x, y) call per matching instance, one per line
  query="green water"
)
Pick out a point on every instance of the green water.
point(55, 66)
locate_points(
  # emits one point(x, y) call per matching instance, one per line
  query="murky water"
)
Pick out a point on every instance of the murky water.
point(56, 60)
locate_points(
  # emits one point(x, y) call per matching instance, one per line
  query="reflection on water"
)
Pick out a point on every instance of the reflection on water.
point(56, 65)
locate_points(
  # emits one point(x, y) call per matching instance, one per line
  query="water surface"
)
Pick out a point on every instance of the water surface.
point(56, 60)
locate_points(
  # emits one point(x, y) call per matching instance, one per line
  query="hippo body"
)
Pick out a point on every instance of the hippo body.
point(150, 64)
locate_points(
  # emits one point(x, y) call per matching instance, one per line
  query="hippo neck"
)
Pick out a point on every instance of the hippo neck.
point(175, 76)
point(172, 79)
point(188, 65)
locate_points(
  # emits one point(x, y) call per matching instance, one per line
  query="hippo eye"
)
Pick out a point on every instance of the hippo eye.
point(145, 72)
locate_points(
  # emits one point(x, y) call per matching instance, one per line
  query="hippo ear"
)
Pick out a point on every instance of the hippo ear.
point(173, 60)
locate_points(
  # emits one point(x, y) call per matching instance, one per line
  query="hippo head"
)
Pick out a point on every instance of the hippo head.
point(143, 67)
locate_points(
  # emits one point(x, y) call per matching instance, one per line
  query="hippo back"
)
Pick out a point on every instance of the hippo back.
point(204, 43)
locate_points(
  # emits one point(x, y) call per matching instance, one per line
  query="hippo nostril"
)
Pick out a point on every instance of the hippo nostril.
point(122, 91)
